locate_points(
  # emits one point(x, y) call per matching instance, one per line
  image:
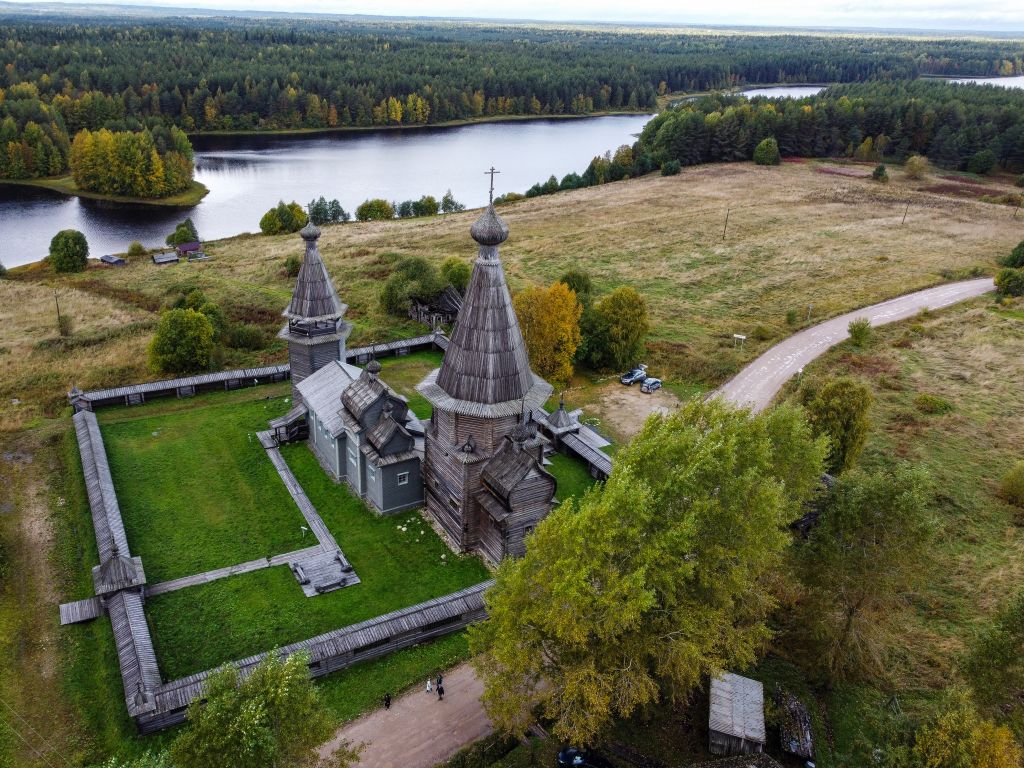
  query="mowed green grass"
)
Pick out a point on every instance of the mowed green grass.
point(572, 475)
point(196, 489)
point(402, 374)
point(400, 561)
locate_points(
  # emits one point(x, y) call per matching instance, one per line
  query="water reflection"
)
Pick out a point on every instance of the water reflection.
point(247, 175)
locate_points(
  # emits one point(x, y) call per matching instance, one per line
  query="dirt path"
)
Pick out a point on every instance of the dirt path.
point(758, 383)
point(419, 731)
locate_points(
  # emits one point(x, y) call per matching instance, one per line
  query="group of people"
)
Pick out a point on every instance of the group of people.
point(432, 687)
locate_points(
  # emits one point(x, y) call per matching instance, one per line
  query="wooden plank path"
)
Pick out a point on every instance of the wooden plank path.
point(80, 611)
point(222, 573)
point(313, 519)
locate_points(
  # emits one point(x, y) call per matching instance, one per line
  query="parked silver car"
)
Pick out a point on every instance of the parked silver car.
point(650, 385)
point(632, 377)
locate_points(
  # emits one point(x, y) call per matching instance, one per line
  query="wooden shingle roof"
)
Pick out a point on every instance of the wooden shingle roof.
point(364, 391)
point(486, 360)
point(737, 707)
point(314, 297)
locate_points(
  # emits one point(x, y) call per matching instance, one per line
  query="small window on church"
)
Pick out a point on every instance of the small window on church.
point(372, 474)
point(529, 530)
point(403, 478)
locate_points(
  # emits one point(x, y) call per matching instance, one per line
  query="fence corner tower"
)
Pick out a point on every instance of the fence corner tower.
point(483, 390)
point(316, 329)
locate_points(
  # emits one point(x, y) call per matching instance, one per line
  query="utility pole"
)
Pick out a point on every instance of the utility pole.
point(726, 227)
point(1018, 206)
point(905, 215)
point(55, 301)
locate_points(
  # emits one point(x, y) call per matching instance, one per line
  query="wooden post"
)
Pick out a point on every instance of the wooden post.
point(905, 215)
point(726, 227)
point(1018, 206)
point(55, 301)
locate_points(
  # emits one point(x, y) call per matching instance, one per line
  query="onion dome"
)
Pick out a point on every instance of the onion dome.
point(489, 229)
point(373, 367)
point(310, 232)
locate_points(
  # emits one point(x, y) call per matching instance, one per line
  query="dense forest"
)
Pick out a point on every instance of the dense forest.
point(132, 163)
point(957, 126)
point(60, 77)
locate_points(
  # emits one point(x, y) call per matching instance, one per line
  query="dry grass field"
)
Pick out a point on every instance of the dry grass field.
point(796, 237)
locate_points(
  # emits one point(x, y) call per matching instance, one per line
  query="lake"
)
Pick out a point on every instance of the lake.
point(1016, 81)
point(247, 175)
point(784, 91)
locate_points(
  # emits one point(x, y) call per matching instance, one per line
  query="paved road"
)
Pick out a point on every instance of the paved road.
point(419, 731)
point(758, 383)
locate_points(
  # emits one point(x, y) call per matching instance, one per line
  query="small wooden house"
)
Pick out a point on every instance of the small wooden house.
point(441, 311)
point(167, 257)
point(185, 249)
point(113, 261)
point(736, 717)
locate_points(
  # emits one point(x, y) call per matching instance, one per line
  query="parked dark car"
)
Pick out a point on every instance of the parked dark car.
point(637, 374)
point(650, 385)
point(570, 757)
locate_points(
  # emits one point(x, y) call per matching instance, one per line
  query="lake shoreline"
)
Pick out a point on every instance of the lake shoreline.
point(342, 129)
point(64, 185)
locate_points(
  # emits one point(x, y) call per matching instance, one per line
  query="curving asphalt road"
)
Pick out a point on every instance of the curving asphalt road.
point(757, 384)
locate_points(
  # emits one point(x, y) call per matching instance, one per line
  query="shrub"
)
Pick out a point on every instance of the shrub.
point(375, 210)
point(763, 333)
point(792, 317)
point(292, 265)
point(767, 152)
point(1010, 282)
point(509, 197)
point(182, 343)
point(283, 218)
point(1020, 180)
point(839, 411)
point(246, 336)
point(1012, 486)
point(614, 329)
point(671, 168)
point(185, 232)
point(136, 249)
point(215, 315)
point(860, 331)
point(1015, 258)
point(414, 277)
point(933, 404)
point(3, 271)
point(65, 325)
point(456, 272)
point(916, 167)
point(982, 162)
point(69, 251)
point(579, 282)
point(880, 174)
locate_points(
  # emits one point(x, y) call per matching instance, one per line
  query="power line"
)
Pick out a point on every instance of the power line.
point(27, 743)
point(38, 735)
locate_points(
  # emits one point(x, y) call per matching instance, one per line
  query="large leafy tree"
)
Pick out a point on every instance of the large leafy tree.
point(614, 329)
point(182, 343)
point(663, 575)
point(414, 278)
point(550, 321)
point(839, 410)
point(69, 251)
point(274, 718)
point(457, 272)
point(867, 552)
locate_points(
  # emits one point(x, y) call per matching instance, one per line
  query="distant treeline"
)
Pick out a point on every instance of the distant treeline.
point(951, 124)
point(220, 74)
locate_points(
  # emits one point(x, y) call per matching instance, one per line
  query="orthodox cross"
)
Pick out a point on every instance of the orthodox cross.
point(491, 174)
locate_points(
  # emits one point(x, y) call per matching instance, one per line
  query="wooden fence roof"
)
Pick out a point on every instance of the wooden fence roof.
point(106, 514)
point(186, 381)
point(737, 707)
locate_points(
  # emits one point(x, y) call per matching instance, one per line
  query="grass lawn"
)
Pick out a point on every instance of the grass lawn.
point(196, 489)
point(572, 475)
point(201, 627)
point(402, 374)
point(971, 356)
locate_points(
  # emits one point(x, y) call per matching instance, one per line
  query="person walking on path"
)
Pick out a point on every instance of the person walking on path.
point(439, 681)
point(387, 700)
point(440, 692)
point(430, 686)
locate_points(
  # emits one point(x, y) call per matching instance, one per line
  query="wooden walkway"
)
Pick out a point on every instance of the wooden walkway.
point(80, 611)
point(232, 570)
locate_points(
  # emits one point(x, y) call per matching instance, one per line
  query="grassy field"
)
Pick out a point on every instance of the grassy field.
point(403, 374)
point(400, 561)
point(796, 237)
point(66, 185)
point(971, 356)
point(572, 475)
point(195, 486)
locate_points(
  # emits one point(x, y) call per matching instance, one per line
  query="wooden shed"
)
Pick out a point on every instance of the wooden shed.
point(167, 257)
point(736, 718)
point(114, 261)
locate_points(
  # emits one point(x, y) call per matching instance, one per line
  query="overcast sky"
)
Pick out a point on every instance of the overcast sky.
point(990, 15)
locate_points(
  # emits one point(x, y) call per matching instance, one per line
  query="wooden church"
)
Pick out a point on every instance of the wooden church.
point(486, 485)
